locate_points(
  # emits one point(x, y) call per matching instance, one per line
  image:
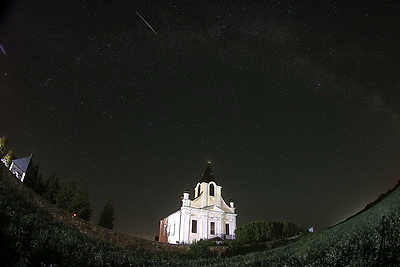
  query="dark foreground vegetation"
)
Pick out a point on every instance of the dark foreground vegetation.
point(31, 234)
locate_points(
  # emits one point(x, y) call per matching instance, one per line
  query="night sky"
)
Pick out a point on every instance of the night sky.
point(295, 103)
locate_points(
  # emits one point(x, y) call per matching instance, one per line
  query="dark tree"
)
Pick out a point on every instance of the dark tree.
point(74, 199)
point(66, 194)
point(107, 215)
point(81, 204)
point(8, 158)
point(3, 146)
point(33, 179)
point(50, 188)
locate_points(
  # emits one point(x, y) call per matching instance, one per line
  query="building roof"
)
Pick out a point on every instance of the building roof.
point(207, 176)
point(23, 163)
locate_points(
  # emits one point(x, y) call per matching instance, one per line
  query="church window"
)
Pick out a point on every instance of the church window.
point(211, 190)
point(212, 228)
point(227, 229)
point(194, 226)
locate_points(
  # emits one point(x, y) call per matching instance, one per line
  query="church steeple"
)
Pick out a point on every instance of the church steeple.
point(208, 176)
point(207, 216)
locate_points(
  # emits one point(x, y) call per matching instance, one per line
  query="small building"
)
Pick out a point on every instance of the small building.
point(20, 167)
point(207, 216)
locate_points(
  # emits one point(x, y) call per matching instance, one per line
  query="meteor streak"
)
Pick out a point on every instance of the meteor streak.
point(151, 28)
point(2, 49)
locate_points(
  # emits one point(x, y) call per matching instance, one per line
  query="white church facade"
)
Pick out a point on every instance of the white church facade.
point(207, 216)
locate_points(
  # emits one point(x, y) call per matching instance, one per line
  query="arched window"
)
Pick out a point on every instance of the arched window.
point(198, 190)
point(211, 190)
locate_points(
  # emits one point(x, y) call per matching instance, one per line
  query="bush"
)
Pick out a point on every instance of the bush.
point(262, 231)
point(201, 249)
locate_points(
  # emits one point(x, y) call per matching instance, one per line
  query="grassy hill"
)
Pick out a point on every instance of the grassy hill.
point(371, 238)
point(35, 232)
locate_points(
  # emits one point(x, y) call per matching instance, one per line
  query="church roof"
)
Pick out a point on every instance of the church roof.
point(207, 176)
point(23, 163)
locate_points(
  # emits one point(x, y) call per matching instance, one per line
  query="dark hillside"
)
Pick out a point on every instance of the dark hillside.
point(36, 231)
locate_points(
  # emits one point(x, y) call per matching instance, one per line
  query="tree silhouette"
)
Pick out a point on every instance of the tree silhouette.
point(81, 204)
point(8, 158)
point(74, 199)
point(107, 215)
point(3, 145)
point(51, 187)
point(66, 194)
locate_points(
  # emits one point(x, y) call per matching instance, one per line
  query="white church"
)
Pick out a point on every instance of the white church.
point(207, 216)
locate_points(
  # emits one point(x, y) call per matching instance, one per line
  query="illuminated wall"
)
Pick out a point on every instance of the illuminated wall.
point(207, 216)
